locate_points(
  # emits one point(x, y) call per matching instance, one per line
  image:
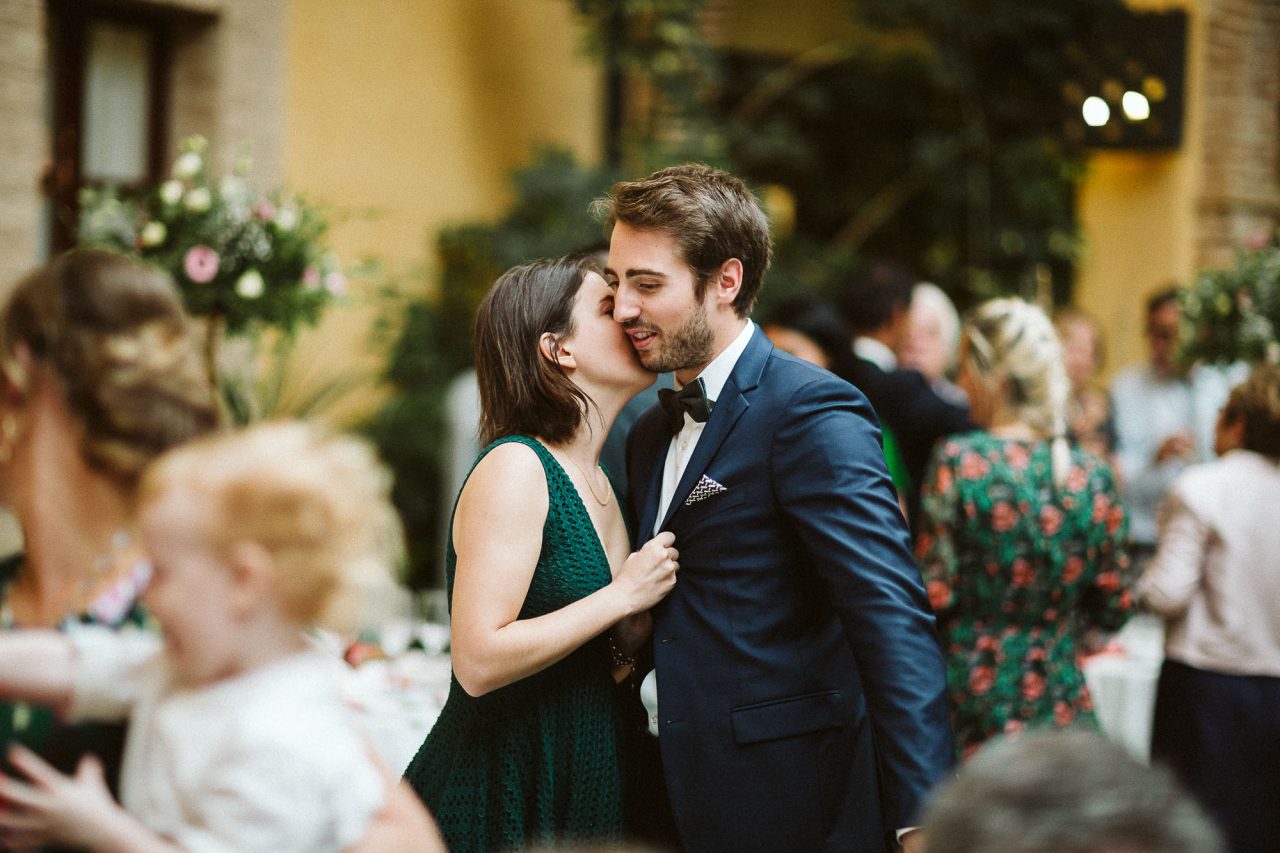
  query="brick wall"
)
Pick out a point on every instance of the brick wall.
point(23, 140)
point(227, 83)
point(1240, 190)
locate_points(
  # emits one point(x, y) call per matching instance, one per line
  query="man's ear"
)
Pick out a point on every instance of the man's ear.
point(252, 575)
point(728, 282)
point(558, 350)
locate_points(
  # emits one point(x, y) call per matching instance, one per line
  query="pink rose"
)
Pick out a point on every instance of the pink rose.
point(981, 679)
point(1050, 520)
point(264, 210)
point(311, 278)
point(939, 594)
point(200, 264)
point(1003, 517)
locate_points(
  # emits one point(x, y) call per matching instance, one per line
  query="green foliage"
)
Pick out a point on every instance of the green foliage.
point(1233, 314)
point(932, 137)
point(248, 258)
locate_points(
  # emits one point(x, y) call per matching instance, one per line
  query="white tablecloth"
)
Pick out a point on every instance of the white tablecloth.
point(1122, 681)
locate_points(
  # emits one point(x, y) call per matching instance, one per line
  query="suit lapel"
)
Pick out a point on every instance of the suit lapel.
point(730, 405)
point(652, 446)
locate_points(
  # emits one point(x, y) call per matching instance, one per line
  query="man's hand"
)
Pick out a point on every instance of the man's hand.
point(913, 841)
point(1178, 446)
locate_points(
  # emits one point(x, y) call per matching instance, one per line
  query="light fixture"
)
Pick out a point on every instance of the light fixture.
point(1096, 112)
point(1136, 106)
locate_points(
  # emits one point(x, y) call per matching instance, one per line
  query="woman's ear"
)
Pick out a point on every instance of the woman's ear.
point(558, 350)
point(253, 575)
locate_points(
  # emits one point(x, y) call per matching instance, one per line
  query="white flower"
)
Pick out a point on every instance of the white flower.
point(250, 285)
point(171, 192)
point(188, 165)
point(234, 189)
point(286, 218)
point(198, 200)
point(153, 233)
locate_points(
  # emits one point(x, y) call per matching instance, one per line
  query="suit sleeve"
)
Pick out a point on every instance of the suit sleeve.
point(830, 479)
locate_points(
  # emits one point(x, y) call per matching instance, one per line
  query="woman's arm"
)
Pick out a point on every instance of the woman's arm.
point(36, 666)
point(73, 810)
point(498, 538)
point(1172, 577)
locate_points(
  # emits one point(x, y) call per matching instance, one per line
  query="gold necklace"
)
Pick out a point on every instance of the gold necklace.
point(587, 480)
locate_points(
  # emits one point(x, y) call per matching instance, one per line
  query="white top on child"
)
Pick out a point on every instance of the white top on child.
point(268, 760)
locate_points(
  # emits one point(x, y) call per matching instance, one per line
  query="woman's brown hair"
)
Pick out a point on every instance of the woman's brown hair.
point(114, 333)
point(521, 390)
point(1256, 403)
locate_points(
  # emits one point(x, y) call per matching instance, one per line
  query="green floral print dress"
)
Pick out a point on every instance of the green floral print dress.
point(1018, 568)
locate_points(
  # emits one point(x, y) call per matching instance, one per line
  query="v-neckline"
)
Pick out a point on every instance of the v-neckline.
point(582, 504)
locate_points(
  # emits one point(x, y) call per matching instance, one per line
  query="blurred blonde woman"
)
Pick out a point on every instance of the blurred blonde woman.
point(1022, 537)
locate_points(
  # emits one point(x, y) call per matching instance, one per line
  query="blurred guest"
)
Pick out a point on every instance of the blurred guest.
point(100, 374)
point(548, 598)
point(810, 328)
point(239, 738)
point(1214, 578)
point(932, 340)
point(876, 302)
point(1165, 415)
point(1064, 792)
point(1021, 537)
point(1090, 423)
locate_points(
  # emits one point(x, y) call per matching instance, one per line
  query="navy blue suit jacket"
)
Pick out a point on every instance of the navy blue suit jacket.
point(801, 691)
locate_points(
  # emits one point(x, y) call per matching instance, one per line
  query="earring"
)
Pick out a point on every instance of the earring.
point(8, 433)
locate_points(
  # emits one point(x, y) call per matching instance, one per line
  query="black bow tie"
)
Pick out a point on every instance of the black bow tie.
point(692, 398)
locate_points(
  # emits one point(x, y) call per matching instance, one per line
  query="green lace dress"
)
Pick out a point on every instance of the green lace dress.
point(1018, 569)
point(537, 761)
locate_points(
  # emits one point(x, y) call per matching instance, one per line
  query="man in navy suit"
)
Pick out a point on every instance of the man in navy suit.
point(801, 693)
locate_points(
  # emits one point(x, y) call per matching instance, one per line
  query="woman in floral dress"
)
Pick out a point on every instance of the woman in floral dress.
point(1022, 538)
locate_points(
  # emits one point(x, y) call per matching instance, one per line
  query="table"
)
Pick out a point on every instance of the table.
point(1122, 680)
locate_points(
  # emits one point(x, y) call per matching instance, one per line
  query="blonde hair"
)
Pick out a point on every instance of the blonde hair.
point(318, 504)
point(114, 333)
point(1012, 341)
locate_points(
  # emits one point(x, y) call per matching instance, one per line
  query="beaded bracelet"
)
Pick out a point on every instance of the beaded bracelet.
point(616, 655)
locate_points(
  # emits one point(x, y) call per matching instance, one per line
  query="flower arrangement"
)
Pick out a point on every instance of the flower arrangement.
point(1233, 314)
point(240, 258)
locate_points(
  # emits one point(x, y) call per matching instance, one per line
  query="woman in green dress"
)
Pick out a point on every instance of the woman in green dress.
point(1022, 537)
point(547, 600)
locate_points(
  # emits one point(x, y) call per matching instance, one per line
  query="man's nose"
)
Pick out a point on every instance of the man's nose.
point(625, 306)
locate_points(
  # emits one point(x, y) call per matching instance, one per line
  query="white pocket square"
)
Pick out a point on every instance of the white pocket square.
point(706, 488)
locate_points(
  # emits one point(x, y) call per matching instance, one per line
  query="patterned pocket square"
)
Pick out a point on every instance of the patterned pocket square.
point(706, 488)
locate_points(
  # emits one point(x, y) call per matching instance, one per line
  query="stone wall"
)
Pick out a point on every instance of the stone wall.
point(1240, 166)
point(227, 82)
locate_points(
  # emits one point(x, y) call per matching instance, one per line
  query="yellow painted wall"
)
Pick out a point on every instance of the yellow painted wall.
point(416, 112)
point(1137, 214)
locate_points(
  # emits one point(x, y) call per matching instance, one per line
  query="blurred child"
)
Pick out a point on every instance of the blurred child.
point(238, 738)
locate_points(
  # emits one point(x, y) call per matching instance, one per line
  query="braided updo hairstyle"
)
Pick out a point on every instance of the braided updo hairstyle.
point(1013, 342)
point(115, 335)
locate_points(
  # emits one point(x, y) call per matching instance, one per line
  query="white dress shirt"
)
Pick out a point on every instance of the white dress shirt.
point(876, 352)
point(1149, 409)
point(713, 377)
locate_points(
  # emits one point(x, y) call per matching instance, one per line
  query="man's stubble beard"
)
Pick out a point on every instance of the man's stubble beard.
point(688, 346)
